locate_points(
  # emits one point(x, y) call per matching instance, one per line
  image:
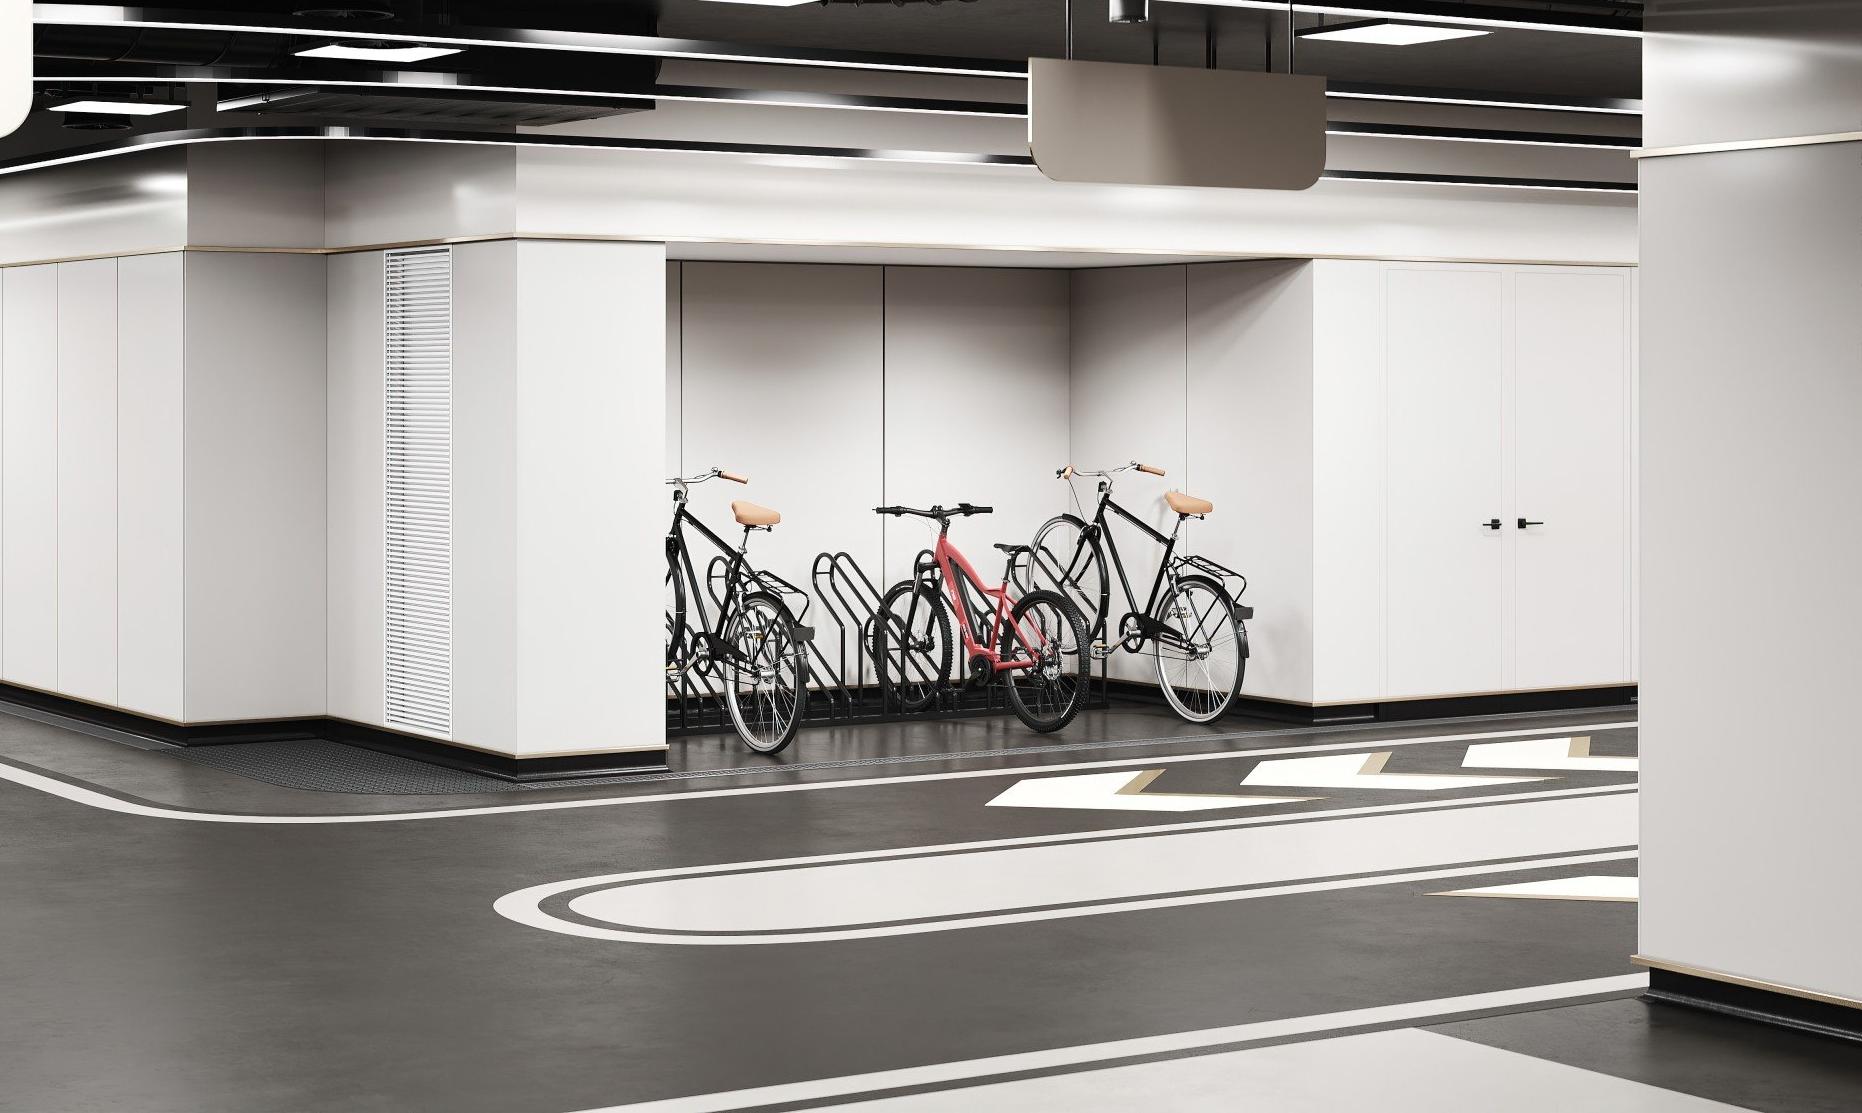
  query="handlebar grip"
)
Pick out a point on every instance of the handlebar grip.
point(1150, 469)
point(732, 476)
point(1064, 473)
point(968, 509)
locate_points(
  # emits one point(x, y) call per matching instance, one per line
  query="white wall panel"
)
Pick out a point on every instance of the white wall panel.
point(485, 572)
point(86, 440)
point(149, 354)
point(1572, 359)
point(255, 494)
point(1448, 576)
point(675, 382)
point(1250, 444)
point(1348, 481)
point(590, 439)
point(782, 384)
point(356, 483)
point(976, 396)
point(1130, 401)
point(29, 477)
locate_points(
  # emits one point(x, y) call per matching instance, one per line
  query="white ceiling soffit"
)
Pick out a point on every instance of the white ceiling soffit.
point(1129, 124)
point(1465, 15)
point(15, 63)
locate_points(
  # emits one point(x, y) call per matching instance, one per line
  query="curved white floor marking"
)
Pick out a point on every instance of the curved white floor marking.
point(1591, 887)
point(1413, 1012)
point(865, 895)
point(80, 794)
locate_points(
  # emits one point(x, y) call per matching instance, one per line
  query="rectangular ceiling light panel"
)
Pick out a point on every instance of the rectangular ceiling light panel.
point(1175, 126)
point(1386, 32)
point(119, 107)
point(353, 53)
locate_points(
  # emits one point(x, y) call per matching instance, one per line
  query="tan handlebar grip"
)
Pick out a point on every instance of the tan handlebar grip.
point(735, 478)
point(1149, 469)
point(1066, 472)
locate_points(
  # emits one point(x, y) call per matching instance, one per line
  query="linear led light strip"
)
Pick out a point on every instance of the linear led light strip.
point(159, 140)
point(1496, 22)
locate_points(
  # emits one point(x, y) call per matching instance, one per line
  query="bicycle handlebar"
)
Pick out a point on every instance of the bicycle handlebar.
point(1070, 471)
point(961, 510)
point(714, 473)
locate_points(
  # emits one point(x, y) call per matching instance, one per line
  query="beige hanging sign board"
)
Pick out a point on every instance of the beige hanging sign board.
point(1174, 126)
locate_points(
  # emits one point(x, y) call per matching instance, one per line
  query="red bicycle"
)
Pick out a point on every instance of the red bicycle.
point(1036, 645)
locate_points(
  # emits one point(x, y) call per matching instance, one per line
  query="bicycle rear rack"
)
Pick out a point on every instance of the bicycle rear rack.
point(1220, 572)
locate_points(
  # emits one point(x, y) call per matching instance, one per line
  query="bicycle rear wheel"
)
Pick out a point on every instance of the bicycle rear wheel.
point(766, 679)
point(1049, 628)
point(1200, 674)
point(1068, 560)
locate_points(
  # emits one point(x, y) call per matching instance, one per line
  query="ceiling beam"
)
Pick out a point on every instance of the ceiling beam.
point(1490, 16)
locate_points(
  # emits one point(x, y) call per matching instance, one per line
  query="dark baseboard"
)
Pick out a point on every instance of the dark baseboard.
point(1393, 711)
point(1751, 1003)
point(336, 730)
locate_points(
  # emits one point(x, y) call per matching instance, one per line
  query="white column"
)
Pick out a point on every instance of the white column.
point(29, 477)
point(86, 478)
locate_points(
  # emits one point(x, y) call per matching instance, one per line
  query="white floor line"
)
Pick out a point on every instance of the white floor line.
point(1593, 887)
point(973, 1069)
point(93, 798)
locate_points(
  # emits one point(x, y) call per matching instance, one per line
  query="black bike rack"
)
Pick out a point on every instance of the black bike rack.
point(843, 684)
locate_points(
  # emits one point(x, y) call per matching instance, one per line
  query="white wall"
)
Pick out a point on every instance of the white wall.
point(149, 468)
point(1750, 602)
point(355, 477)
point(29, 478)
point(976, 383)
point(254, 486)
point(1250, 405)
point(783, 383)
point(86, 438)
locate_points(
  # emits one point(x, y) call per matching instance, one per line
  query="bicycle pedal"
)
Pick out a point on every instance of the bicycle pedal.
point(1100, 651)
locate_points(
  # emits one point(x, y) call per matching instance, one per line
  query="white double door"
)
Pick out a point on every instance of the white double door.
point(1508, 402)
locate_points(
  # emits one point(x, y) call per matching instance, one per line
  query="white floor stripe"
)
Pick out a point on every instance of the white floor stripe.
point(1544, 753)
point(1411, 1013)
point(1361, 771)
point(81, 795)
point(1593, 887)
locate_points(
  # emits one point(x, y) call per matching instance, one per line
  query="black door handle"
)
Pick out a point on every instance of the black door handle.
point(1523, 523)
point(1491, 523)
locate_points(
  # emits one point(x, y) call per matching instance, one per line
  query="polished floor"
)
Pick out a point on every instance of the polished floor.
point(952, 915)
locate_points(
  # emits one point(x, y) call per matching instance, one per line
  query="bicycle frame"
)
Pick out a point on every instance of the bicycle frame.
point(680, 558)
point(1147, 626)
point(960, 578)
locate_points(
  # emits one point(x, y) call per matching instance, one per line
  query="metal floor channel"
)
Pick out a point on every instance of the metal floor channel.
point(323, 766)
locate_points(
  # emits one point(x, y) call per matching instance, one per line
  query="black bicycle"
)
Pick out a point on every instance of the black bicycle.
point(1190, 621)
point(756, 648)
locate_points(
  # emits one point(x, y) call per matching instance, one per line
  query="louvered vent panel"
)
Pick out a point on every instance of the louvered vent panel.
point(419, 527)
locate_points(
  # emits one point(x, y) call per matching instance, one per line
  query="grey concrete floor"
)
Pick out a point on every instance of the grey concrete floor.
point(157, 962)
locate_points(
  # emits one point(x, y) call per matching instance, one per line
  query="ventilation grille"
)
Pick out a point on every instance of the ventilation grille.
point(418, 315)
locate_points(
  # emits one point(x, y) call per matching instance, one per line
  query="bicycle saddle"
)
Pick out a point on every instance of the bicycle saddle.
point(750, 514)
point(1012, 549)
point(1187, 504)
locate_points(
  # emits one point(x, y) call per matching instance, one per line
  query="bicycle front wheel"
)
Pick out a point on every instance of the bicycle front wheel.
point(1199, 669)
point(911, 644)
point(1048, 628)
point(766, 678)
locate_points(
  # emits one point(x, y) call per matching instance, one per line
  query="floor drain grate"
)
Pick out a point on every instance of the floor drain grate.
point(324, 766)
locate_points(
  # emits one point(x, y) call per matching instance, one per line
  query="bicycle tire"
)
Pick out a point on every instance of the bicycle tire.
point(1209, 701)
point(765, 621)
point(1047, 698)
point(934, 667)
point(675, 615)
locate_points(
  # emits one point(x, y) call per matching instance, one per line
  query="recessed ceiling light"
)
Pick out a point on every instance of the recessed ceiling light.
point(1387, 32)
point(378, 52)
point(119, 107)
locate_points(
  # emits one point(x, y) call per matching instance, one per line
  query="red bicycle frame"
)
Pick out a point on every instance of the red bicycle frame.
point(958, 573)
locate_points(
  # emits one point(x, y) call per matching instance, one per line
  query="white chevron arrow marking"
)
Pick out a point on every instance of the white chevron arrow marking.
point(1122, 792)
point(1544, 753)
point(1561, 888)
point(1361, 771)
